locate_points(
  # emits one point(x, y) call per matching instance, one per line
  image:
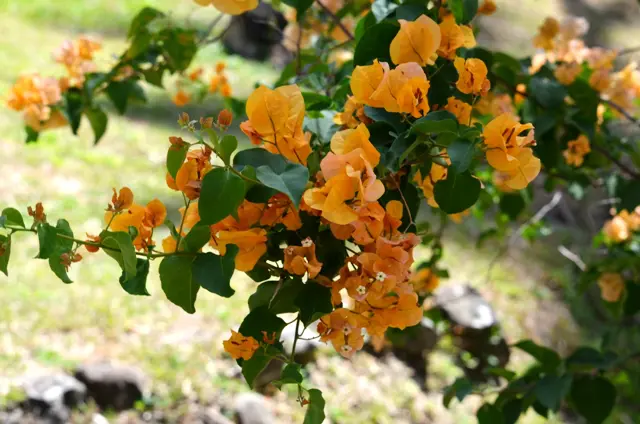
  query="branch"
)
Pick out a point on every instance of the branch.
point(336, 20)
point(629, 51)
point(631, 172)
point(573, 257)
point(621, 110)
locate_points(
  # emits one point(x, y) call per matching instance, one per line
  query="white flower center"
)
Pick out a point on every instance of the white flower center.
point(361, 290)
point(346, 330)
point(307, 242)
point(381, 276)
point(346, 348)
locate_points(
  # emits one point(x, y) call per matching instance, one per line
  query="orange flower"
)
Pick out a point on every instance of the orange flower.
point(252, 244)
point(93, 239)
point(189, 177)
point(600, 79)
point(169, 244)
point(460, 109)
point(299, 260)
point(225, 90)
point(416, 42)
point(425, 281)
point(547, 33)
point(567, 73)
point(576, 150)
point(347, 141)
point(437, 173)
point(155, 214)
point(280, 210)
point(268, 339)
point(454, 36)
point(344, 329)
point(365, 80)
point(509, 152)
point(488, 7)
point(225, 117)
point(181, 98)
point(196, 74)
point(276, 117)
point(239, 346)
point(230, 7)
point(121, 201)
point(611, 286)
point(404, 90)
point(352, 115)
point(369, 225)
point(38, 215)
point(472, 76)
point(192, 215)
point(250, 132)
point(132, 217)
point(66, 259)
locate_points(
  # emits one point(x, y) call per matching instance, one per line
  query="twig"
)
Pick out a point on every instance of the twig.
point(557, 196)
point(336, 20)
point(621, 110)
point(212, 25)
point(406, 205)
point(573, 257)
point(629, 51)
point(631, 172)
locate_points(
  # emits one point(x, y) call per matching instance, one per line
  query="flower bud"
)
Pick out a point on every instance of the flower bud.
point(225, 118)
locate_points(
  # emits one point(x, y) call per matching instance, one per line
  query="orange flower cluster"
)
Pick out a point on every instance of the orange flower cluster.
point(194, 85)
point(275, 121)
point(37, 96)
point(620, 228)
point(77, 58)
point(189, 177)
point(576, 150)
point(123, 213)
point(231, 7)
point(611, 286)
point(239, 346)
point(509, 152)
point(219, 81)
point(352, 114)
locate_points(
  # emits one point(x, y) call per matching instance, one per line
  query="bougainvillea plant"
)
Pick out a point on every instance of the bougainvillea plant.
point(385, 106)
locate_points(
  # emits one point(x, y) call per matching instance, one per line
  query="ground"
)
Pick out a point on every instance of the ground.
point(45, 324)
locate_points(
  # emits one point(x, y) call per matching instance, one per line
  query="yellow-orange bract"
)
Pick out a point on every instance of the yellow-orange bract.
point(34, 95)
point(403, 90)
point(611, 286)
point(416, 42)
point(365, 80)
point(231, 7)
point(620, 227)
point(299, 260)
point(472, 76)
point(509, 152)
point(239, 346)
point(143, 219)
point(436, 173)
point(576, 150)
point(460, 109)
point(425, 281)
point(276, 117)
point(567, 73)
point(454, 36)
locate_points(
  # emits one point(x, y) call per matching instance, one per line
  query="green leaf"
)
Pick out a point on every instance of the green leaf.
point(221, 194)
point(175, 159)
point(32, 135)
point(511, 410)
point(213, 272)
point(47, 237)
point(594, 397)
point(549, 93)
point(456, 193)
point(381, 115)
point(120, 92)
point(461, 153)
point(363, 25)
point(179, 46)
point(5, 243)
point(512, 204)
point(463, 10)
point(301, 6)
point(584, 359)
point(259, 320)
point(314, 301)
point(13, 217)
point(136, 285)
point(290, 375)
point(55, 263)
point(548, 358)
point(64, 244)
point(489, 414)
point(196, 238)
point(228, 145)
point(374, 43)
point(258, 274)
point(98, 120)
point(252, 367)
point(552, 389)
point(257, 157)
point(278, 296)
point(121, 249)
point(436, 123)
point(460, 389)
point(142, 20)
point(139, 44)
point(315, 101)
point(177, 281)
point(629, 194)
point(292, 180)
point(315, 408)
point(411, 12)
point(73, 109)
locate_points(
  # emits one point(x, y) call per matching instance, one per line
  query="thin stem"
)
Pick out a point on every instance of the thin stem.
point(632, 173)
point(629, 51)
point(336, 20)
point(406, 206)
point(295, 338)
point(187, 203)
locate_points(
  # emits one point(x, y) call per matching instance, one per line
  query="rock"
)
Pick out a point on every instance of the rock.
point(464, 306)
point(112, 386)
point(252, 408)
point(305, 349)
point(50, 397)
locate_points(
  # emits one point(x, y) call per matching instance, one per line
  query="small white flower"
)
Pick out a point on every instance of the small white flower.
point(307, 242)
point(381, 276)
point(361, 290)
point(346, 348)
point(346, 330)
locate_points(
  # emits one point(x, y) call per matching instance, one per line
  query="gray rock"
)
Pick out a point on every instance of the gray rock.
point(213, 416)
point(112, 386)
point(464, 306)
point(252, 408)
point(50, 397)
point(305, 349)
